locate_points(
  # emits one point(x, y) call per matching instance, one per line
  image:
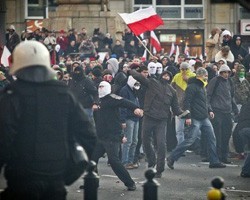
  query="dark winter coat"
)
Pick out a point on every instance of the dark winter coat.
point(221, 95)
point(108, 123)
point(195, 99)
point(159, 97)
point(238, 50)
point(36, 120)
point(243, 122)
point(12, 41)
point(129, 94)
point(118, 50)
point(85, 91)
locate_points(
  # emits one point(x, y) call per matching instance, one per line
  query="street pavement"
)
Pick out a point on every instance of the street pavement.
point(190, 180)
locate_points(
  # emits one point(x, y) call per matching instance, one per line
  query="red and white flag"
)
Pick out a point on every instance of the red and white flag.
point(186, 50)
point(154, 41)
point(142, 20)
point(172, 50)
point(6, 57)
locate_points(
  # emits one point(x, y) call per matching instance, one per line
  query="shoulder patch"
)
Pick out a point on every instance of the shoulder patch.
point(116, 96)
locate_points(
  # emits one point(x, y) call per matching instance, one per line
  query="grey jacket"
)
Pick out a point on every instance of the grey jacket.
point(220, 94)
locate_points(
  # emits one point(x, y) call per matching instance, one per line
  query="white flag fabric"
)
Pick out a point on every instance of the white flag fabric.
point(144, 57)
point(5, 58)
point(177, 54)
point(172, 50)
point(201, 57)
point(142, 20)
point(186, 50)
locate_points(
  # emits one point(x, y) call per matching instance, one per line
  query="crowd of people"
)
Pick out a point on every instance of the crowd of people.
point(150, 107)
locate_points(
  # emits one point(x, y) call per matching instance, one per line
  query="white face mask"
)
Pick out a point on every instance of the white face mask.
point(104, 89)
point(131, 82)
point(242, 79)
point(159, 70)
point(151, 68)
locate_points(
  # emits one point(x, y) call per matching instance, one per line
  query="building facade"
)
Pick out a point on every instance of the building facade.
point(187, 23)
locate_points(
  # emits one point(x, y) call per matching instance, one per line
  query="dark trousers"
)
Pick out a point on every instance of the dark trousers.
point(139, 142)
point(112, 150)
point(171, 139)
point(245, 135)
point(222, 124)
point(154, 128)
point(34, 190)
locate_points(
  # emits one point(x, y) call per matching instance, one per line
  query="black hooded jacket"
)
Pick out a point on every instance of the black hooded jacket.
point(195, 99)
point(159, 97)
point(84, 89)
point(238, 50)
point(36, 119)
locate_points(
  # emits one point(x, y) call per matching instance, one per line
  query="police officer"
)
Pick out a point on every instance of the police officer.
point(38, 115)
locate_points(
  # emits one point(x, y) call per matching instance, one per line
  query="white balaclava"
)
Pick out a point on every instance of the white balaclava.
point(104, 89)
point(159, 68)
point(133, 84)
point(151, 68)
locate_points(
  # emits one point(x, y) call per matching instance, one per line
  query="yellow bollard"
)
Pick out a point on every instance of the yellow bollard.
point(214, 194)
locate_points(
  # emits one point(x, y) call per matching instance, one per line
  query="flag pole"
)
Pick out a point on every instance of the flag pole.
point(145, 46)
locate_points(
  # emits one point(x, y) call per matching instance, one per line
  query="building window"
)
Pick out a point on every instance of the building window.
point(36, 9)
point(174, 9)
point(244, 13)
point(193, 39)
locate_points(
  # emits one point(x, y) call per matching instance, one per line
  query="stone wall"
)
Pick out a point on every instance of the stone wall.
point(87, 13)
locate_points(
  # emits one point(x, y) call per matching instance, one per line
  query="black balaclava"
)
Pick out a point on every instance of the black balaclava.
point(164, 81)
point(78, 74)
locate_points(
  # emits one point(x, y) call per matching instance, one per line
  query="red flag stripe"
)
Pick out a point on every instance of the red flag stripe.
point(144, 25)
point(154, 41)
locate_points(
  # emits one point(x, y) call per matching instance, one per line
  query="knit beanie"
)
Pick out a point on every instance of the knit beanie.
point(201, 71)
point(224, 68)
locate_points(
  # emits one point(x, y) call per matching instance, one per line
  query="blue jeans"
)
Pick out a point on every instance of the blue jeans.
point(193, 133)
point(179, 128)
point(245, 135)
point(131, 133)
point(90, 114)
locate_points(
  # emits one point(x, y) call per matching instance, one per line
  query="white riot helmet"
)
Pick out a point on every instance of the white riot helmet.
point(30, 53)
